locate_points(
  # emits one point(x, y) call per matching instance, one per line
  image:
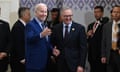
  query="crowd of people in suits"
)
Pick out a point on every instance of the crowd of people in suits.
point(60, 45)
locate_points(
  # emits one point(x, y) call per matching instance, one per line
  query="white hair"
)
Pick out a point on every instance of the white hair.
point(40, 5)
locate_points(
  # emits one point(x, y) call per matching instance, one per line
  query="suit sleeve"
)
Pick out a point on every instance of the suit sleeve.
point(103, 48)
point(83, 47)
point(5, 38)
point(31, 35)
point(19, 42)
point(53, 37)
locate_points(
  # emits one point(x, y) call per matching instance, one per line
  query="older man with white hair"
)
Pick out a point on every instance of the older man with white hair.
point(37, 41)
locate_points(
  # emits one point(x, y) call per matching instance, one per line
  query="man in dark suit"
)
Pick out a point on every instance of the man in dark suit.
point(4, 45)
point(94, 34)
point(111, 42)
point(70, 43)
point(37, 43)
point(17, 52)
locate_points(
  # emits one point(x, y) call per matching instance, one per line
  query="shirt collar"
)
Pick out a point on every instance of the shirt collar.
point(69, 25)
point(23, 22)
point(115, 22)
point(37, 20)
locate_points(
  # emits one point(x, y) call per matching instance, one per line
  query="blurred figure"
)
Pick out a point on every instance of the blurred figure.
point(94, 34)
point(111, 42)
point(17, 52)
point(4, 45)
point(37, 43)
point(70, 44)
point(55, 15)
point(55, 19)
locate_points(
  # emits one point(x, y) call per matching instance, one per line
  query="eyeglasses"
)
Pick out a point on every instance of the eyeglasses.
point(68, 16)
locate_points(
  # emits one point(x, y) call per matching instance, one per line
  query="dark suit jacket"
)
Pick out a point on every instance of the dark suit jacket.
point(17, 51)
point(4, 36)
point(74, 49)
point(94, 43)
point(4, 44)
point(107, 40)
point(36, 48)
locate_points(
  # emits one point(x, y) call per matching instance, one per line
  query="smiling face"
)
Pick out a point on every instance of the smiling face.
point(41, 12)
point(66, 16)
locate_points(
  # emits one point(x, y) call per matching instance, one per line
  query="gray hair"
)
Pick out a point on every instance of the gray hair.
point(39, 5)
point(63, 9)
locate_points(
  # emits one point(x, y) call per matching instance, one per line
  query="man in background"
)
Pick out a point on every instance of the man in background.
point(94, 34)
point(17, 51)
point(111, 42)
point(55, 15)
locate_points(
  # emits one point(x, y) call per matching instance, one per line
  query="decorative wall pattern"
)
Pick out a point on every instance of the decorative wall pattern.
point(75, 4)
point(32, 3)
point(83, 9)
point(90, 4)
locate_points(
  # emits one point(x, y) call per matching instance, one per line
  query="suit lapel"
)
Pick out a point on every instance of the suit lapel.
point(21, 24)
point(37, 26)
point(70, 33)
point(60, 33)
point(110, 32)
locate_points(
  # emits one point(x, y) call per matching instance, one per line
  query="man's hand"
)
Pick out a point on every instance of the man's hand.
point(103, 60)
point(90, 33)
point(46, 32)
point(56, 52)
point(80, 69)
point(22, 61)
point(2, 55)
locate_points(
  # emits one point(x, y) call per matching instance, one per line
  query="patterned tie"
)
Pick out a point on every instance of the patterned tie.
point(115, 32)
point(95, 26)
point(43, 25)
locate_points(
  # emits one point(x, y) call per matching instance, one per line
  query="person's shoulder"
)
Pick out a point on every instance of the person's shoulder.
point(31, 22)
point(3, 22)
point(78, 24)
point(104, 20)
point(18, 24)
point(58, 25)
point(108, 23)
point(91, 24)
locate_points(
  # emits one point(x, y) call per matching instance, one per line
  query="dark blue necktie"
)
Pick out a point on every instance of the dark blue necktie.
point(43, 25)
point(66, 32)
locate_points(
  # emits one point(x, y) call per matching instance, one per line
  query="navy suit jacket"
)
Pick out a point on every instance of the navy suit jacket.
point(36, 48)
point(74, 49)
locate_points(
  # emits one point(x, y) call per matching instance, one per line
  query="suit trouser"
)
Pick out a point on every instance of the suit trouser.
point(97, 67)
point(114, 62)
point(52, 66)
point(62, 65)
point(4, 65)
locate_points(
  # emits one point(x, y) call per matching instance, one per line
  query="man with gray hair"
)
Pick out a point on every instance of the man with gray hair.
point(69, 39)
point(37, 41)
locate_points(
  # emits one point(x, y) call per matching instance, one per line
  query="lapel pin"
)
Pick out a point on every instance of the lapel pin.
point(73, 29)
